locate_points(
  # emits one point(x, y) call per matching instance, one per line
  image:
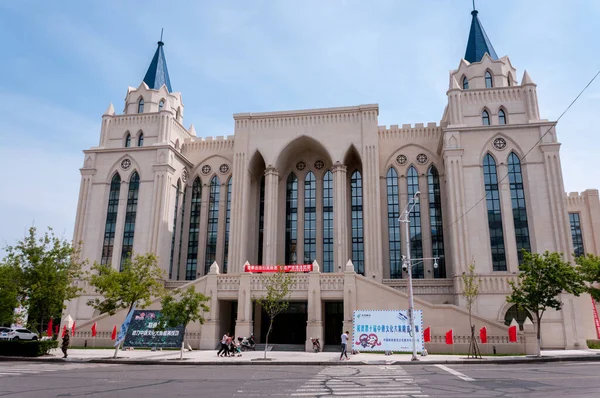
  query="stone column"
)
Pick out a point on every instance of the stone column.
point(340, 217)
point(508, 225)
point(270, 220)
point(203, 231)
point(350, 299)
point(239, 213)
point(220, 255)
point(425, 225)
point(209, 334)
point(314, 326)
point(243, 324)
point(120, 225)
point(82, 204)
point(372, 214)
point(185, 235)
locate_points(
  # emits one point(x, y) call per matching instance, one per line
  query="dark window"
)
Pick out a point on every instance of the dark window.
point(489, 83)
point(517, 196)
point(416, 236)
point(192, 252)
point(310, 218)
point(485, 118)
point(328, 222)
point(127, 140)
point(576, 234)
point(393, 211)
point(111, 219)
point(213, 224)
point(465, 83)
point(490, 179)
point(358, 250)
point(435, 219)
point(227, 223)
point(178, 114)
point(510, 80)
point(177, 189)
point(161, 104)
point(130, 214)
point(181, 230)
point(291, 219)
point(140, 140)
point(517, 314)
point(261, 220)
point(501, 117)
point(141, 106)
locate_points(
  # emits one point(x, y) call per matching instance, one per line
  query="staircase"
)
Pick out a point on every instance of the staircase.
point(281, 347)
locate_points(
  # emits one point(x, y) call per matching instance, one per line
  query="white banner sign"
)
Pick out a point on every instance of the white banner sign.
point(386, 331)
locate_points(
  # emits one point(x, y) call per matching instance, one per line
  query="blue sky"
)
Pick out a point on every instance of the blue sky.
point(63, 63)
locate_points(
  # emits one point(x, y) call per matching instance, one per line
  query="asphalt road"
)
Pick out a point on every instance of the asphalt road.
point(39, 380)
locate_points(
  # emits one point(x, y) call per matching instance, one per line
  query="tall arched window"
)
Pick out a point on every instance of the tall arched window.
point(490, 179)
point(191, 264)
point(181, 230)
point(128, 140)
point(510, 80)
point(501, 117)
point(130, 213)
point(416, 236)
point(310, 218)
point(328, 222)
point(465, 83)
point(111, 219)
point(177, 189)
point(358, 250)
point(140, 140)
point(576, 235)
point(261, 220)
point(485, 118)
point(489, 83)
point(178, 114)
point(435, 219)
point(227, 223)
point(141, 106)
point(161, 105)
point(213, 224)
point(393, 211)
point(291, 219)
point(517, 195)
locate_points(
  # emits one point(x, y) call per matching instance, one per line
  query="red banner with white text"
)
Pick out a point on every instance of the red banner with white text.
point(596, 320)
point(276, 268)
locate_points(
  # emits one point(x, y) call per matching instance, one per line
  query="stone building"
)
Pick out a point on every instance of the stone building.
point(328, 186)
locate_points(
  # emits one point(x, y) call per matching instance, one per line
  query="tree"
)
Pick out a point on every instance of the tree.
point(588, 268)
point(276, 301)
point(47, 269)
point(189, 308)
point(10, 280)
point(470, 292)
point(541, 280)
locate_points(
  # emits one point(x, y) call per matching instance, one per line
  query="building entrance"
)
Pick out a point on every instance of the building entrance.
point(334, 319)
point(289, 327)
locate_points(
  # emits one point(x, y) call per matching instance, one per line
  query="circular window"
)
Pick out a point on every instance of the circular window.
point(184, 175)
point(421, 158)
point(401, 159)
point(319, 164)
point(300, 166)
point(224, 168)
point(500, 143)
point(125, 164)
point(206, 169)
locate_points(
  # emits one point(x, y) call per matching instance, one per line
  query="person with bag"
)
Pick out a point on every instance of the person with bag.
point(224, 347)
point(65, 342)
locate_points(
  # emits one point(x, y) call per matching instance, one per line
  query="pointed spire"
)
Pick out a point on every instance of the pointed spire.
point(478, 43)
point(111, 110)
point(526, 79)
point(157, 73)
point(192, 130)
point(454, 84)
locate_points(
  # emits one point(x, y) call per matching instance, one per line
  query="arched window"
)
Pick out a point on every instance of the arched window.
point(576, 235)
point(141, 106)
point(510, 80)
point(178, 114)
point(177, 189)
point(227, 223)
point(291, 219)
point(130, 213)
point(416, 235)
point(161, 105)
point(261, 220)
point(191, 264)
point(127, 140)
point(213, 224)
point(111, 219)
point(310, 218)
point(181, 229)
point(358, 250)
point(485, 118)
point(517, 314)
point(494, 213)
point(435, 220)
point(465, 83)
point(489, 83)
point(517, 194)
point(328, 222)
point(140, 140)
point(501, 117)
point(393, 209)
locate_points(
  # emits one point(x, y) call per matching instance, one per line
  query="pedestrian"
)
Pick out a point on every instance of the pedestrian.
point(65, 343)
point(223, 345)
point(344, 345)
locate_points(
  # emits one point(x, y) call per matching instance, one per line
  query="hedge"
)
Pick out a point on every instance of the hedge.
point(593, 344)
point(21, 348)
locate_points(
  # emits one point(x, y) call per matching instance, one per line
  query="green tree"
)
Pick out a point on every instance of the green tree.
point(589, 268)
point(10, 280)
point(276, 300)
point(541, 280)
point(189, 308)
point(49, 268)
point(470, 292)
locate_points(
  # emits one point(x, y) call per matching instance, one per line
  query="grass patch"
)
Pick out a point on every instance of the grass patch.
point(593, 344)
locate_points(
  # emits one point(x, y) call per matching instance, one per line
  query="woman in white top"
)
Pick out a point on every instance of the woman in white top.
point(344, 345)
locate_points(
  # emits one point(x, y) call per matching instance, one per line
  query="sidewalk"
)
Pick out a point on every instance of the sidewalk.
point(148, 357)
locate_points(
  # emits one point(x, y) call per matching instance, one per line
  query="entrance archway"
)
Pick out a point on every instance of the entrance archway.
point(289, 327)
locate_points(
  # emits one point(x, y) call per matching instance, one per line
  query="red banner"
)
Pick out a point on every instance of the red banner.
point(483, 335)
point(114, 333)
point(449, 337)
point(427, 335)
point(276, 268)
point(73, 329)
point(596, 320)
point(512, 334)
point(94, 330)
point(49, 331)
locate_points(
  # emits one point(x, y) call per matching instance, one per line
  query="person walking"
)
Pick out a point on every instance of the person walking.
point(223, 345)
point(65, 343)
point(344, 345)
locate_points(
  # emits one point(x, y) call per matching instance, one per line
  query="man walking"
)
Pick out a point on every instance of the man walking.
point(344, 345)
point(65, 342)
point(223, 345)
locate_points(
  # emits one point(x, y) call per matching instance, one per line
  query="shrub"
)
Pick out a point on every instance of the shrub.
point(593, 344)
point(26, 348)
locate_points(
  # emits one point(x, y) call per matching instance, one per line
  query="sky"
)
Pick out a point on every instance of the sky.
point(62, 64)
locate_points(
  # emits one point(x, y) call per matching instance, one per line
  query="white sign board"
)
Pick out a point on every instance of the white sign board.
point(386, 330)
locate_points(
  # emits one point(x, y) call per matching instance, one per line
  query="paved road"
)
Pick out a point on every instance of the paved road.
point(26, 379)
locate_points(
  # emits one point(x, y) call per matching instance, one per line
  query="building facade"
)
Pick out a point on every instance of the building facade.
point(327, 186)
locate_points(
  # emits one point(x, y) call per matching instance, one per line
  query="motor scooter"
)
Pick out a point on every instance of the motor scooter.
point(248, 343)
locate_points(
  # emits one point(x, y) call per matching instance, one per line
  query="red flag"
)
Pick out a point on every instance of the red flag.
point(56, 329)
point(73, 329)
point(94, 330)
point(483, 335)
point(49, 332)
point(427, 335)
point(64, 331)
point(449, 337)
point(114, 333)
point(512, 334)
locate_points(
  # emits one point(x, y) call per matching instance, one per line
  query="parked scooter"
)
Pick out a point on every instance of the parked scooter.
point(316, 344)
point(247, 343)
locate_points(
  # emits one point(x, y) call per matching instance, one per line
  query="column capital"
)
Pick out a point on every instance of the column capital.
point(270, 170)
point(338, 166)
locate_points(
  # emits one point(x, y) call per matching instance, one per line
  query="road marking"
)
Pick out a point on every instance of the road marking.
point(455, 373)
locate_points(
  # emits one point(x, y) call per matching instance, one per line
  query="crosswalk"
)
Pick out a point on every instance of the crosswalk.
point(11, 369)
point(361, 381)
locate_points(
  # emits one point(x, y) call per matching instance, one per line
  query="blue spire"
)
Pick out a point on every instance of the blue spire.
point(478, 43)
point(158, 74)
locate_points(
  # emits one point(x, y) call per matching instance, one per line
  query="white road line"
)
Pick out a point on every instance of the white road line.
point(455, 373)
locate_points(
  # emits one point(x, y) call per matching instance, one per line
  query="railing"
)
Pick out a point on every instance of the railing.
point(332, 282)
point(422, 286)
point(226, 282)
